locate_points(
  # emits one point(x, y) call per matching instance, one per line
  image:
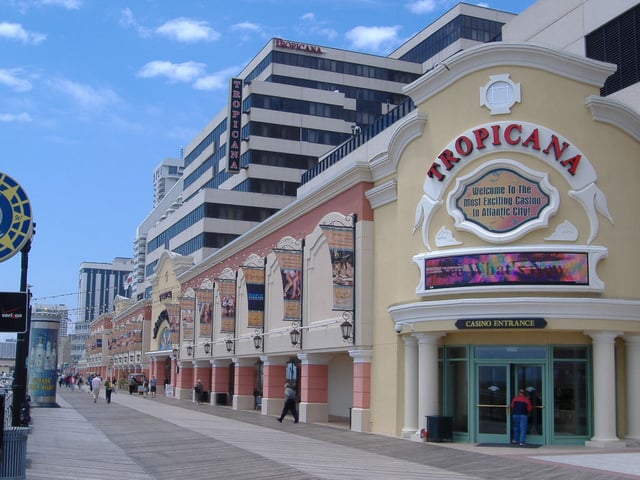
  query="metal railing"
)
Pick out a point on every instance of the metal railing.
point(357, 140)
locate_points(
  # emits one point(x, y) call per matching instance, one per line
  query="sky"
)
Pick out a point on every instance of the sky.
point(94, 94)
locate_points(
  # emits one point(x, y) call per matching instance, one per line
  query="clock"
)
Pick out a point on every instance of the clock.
point(16, 218)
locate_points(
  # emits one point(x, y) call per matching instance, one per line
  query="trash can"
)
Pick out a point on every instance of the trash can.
point(14, 453)
point(439, 428)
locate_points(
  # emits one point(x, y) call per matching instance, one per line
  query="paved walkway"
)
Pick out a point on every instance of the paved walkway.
point(139, 438)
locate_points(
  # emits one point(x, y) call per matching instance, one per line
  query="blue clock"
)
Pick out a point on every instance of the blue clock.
point(16, 218)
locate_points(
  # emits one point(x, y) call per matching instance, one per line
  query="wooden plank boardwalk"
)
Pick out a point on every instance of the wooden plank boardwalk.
point(142, 439)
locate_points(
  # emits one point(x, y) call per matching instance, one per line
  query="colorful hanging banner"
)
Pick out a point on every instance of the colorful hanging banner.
point(341, 241)
point(227, 290)
point(204, 312)
point(290, 262)
point(187, 306)
point(254, 277)
point(173, 310)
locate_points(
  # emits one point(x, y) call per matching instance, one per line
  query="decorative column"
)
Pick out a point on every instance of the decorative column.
point(604, 391)
point(410, 387)
point(361, 409)
point(314, 397)
point(184, 380)
point(632, 344)
point(243, 384)
point(274, 374)
point(219, 380)
point(428, 387)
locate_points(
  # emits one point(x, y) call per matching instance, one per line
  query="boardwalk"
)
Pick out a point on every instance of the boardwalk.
point(143, 439)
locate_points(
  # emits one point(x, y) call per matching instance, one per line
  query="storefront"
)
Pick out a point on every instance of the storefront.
point(513, 192)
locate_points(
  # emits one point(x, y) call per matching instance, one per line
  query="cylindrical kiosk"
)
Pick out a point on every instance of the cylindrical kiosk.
point(43, 357)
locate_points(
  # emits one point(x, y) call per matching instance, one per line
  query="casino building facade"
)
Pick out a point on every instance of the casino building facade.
point(510, 194)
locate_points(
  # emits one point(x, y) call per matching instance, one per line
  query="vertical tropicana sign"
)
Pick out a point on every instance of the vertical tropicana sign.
point(235, 125)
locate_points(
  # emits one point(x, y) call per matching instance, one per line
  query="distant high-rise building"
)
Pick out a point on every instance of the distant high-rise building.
point(165, 177)
point(98, 286)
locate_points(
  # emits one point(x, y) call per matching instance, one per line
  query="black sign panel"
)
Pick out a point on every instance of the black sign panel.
point(509, 323)
point(13, 312)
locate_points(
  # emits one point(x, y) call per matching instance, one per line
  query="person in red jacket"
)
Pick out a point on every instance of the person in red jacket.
point(520, 409)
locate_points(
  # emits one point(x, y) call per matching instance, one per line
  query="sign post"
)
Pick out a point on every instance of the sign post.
point(16, 231)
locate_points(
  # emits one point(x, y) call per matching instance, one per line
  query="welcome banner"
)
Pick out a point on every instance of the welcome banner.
point(227, 291)
point(204, 312)
point(290, 262)
point(341, 241)
point(254, 277)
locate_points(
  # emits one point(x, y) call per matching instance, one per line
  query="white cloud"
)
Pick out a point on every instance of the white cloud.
point(422, 6)
point(85, 95)
point(188, 31)
point(216, 81)
point(15, 31)
point(68, 4)
point(247, 26)
point(14, 118)
point(176, 72)
point(127, 20)
point(11, 79)
point(373, 39)
point(313, 26)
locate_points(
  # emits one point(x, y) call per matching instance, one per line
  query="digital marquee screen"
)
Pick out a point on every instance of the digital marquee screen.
point(517, 268)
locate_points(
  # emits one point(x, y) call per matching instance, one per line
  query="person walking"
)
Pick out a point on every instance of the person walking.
point(198, 391)
point(108, 389)
point(520, 409)
point(289, 404)
point(153, 384)
point(96, 383)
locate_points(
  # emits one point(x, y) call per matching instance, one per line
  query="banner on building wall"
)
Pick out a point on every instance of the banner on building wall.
point(187, 313)
point(173, 311)
point(254, 277)
point(341, 249)
point(204, 312)
point(290, 262)
point(227, 289)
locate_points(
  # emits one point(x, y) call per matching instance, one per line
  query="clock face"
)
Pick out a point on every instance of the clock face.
point(16, 218)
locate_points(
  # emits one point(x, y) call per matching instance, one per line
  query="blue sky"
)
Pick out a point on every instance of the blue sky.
point(94, 94)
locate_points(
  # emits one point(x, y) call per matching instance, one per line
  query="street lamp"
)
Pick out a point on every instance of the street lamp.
point(295, 335)
point(207, 348)
point(229, 344)
point(189, 350)
point(257, 340)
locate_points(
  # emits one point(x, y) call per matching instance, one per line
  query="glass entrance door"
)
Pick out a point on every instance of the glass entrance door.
point(493, 403)
point(496, 386)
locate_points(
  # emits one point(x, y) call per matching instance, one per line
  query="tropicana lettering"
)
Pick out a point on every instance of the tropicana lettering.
point(298, 46)
point(497, 135)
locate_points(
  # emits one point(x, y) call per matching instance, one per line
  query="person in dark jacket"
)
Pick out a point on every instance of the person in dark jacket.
point(520, 409)
point(289, 403)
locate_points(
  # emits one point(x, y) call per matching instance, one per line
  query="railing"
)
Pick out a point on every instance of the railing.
point(356, 141)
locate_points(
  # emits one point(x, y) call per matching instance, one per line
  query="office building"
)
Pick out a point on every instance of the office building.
point(98, 286)
point(297, 102)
